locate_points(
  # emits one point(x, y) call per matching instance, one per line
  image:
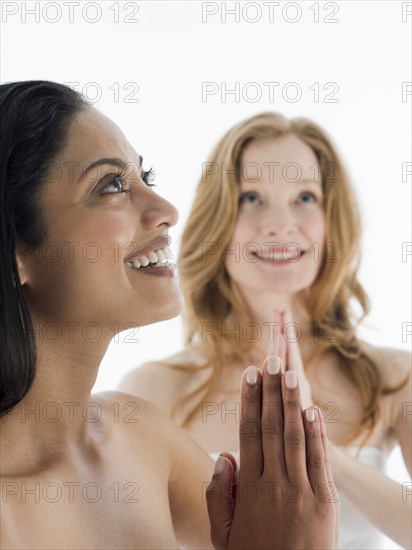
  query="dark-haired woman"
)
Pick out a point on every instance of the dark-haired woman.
point(78, 219)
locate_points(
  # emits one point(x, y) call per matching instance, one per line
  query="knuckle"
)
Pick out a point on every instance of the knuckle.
point(313, 433)
point(271, 428)
point(294, 440)
point(249, 431)
point(316, 462)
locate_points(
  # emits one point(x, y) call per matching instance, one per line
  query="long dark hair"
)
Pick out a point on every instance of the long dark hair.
point(34, 121)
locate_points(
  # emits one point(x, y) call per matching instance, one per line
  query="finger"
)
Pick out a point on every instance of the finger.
point(278, 348)
point(294, 433)
point(232, 459)
point(272, 420)
point(324, 438)
point(250, 440)
point(331, 494)
point(315, 454)
point(235, 467)
point(282, 352)
point(276, 330)
point(220, 503)
point(332, 485)
point(290, 333)
point(294, 356)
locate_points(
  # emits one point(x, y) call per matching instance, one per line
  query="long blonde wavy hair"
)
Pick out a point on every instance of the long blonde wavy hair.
point(206, 285)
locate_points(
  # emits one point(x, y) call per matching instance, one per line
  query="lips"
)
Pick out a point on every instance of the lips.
point(286, 254)
point(158, 258)
point(158, 244)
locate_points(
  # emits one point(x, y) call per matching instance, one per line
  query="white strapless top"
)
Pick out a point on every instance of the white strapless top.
point(356, 531)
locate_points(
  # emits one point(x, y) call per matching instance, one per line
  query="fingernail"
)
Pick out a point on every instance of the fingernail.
point(273, 364)
point(291, 379)
point(251, 375)
point(310, 415)
point(220, 465)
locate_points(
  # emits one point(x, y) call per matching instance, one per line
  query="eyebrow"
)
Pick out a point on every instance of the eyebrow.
point(116, 162)
point(303, 181)
point(306, 181)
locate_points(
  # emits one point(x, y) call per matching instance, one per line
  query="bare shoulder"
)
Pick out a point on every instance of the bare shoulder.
point(163, 382)
point(394, 364)
point(395, 368)
point(126, 408)
point(134, 416)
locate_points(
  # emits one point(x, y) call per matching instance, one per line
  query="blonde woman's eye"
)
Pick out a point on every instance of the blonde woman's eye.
point(307, 197)
point(248, 198)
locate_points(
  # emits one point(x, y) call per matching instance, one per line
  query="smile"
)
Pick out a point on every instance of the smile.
point(156, 258)
point(284, 256)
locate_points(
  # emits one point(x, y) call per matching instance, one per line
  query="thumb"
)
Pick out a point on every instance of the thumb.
point(220, 503)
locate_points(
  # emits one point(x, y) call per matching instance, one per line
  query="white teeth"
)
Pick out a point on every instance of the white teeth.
point(158, 258)
point(153, 257)
point(166, 263)
point(276, 256)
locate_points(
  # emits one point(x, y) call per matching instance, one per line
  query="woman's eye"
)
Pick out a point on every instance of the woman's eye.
point(117, 184)
point(149, 177)
point(308, 197)
point(248, 198)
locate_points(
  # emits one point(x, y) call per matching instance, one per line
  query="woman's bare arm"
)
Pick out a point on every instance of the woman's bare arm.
point(385, 502)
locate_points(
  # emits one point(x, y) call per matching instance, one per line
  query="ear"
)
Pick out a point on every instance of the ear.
point(22, 264)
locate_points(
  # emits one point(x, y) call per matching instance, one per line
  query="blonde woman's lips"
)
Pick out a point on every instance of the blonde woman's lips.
point(284, 257)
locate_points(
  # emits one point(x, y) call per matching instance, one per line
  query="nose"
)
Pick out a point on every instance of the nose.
point(278, 221)
point(158, 211)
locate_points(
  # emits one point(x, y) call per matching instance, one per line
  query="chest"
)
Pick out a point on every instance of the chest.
point(114, 508)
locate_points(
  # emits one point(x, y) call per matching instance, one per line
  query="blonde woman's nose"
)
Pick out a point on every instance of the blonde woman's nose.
point(279, 222)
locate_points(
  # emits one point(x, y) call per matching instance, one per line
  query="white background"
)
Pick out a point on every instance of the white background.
point(168, 49)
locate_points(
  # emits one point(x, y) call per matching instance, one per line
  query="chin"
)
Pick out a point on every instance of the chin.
point(168, 310)
point(280, 285)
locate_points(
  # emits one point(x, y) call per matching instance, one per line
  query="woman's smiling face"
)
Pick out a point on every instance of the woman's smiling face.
point(280, 216)
point(95, 222)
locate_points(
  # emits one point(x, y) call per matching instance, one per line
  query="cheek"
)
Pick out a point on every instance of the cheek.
point(242, 232)
point(88, 250)
point(316, 235)
point(109, 227)
point(109, 232)
point(316, 227)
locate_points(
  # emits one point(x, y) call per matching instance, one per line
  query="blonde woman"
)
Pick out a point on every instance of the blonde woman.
point(269, 260)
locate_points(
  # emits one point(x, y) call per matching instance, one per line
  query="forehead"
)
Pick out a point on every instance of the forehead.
point(92, 136)
point(282, 150)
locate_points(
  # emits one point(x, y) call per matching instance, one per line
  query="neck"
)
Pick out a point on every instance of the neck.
point(58, 416)
point(260, 324)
